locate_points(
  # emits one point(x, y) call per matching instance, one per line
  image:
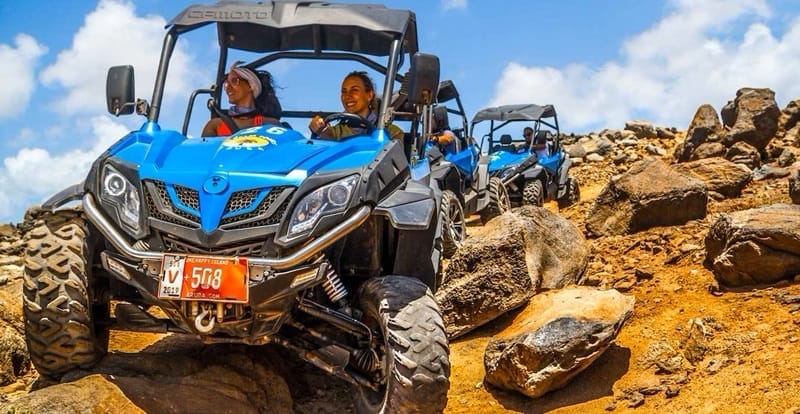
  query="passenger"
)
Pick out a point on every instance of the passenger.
point(527, 133)
point(442, 135)
point(446, 140)
point(252, 98)
point(358, 97)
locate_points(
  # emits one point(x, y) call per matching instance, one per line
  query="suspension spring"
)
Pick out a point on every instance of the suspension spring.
point(333, 285)
point(366, 360)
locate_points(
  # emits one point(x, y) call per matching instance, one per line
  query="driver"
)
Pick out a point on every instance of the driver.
point(358, 97)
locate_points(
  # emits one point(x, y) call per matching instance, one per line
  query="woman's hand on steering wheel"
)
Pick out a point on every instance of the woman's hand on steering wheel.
point(351, 120)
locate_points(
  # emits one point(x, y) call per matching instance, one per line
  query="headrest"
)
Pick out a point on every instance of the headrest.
point(440, 118)
point(505, 139)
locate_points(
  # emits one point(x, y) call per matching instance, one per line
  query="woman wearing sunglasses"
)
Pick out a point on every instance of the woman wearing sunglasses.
point(252, 98)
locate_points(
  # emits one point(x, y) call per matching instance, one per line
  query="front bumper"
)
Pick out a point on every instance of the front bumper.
point(300, 256)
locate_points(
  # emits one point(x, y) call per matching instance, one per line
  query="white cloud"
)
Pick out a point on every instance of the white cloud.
point(454, 4)
point(690, 57)
point(112, 35)
point(34, 174)
point(18, 72)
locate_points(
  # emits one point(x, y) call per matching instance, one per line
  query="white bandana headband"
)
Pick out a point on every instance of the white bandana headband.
point(249, 76)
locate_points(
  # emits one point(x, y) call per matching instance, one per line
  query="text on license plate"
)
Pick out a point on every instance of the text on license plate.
point(219, 279)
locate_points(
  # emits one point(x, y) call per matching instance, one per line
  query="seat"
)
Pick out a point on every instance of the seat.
point(506, 144)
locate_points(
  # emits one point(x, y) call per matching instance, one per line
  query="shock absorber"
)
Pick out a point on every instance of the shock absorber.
point(333, 285)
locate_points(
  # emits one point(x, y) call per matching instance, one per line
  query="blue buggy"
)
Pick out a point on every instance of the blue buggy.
point(534, 169)
point(459, 169)
point(327, 248)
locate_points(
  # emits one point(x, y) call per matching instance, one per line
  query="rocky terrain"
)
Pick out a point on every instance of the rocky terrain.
point(712, 328)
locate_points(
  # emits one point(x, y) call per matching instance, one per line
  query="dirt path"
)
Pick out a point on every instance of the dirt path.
point(748, 360)
point(688, 348)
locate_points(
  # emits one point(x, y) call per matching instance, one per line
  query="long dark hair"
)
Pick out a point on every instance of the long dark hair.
point(267, 103)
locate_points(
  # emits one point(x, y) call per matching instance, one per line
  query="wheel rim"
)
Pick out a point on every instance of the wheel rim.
point(456, 227)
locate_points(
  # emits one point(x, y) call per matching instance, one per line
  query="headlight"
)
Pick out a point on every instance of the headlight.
point(328, 199)
point(118, 191)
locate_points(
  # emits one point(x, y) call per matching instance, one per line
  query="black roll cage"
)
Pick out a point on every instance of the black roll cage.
point(537, 126)
point(287, 28)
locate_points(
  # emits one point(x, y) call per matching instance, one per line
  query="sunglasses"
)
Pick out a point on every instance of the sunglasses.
point(231, 80)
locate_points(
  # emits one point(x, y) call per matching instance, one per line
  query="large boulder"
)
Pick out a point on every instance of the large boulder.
point(745, 154)
point(757, 116)
point(789, 116)
point(650, 194)
point(559, 334)
point(720, 175)
point(555, 250)
point(704, 128)
point(487, 277)
point(523, 251)
point(754, 247)
point(642, 129)
point(14, 360)
point(794, 186)
point(709, 150)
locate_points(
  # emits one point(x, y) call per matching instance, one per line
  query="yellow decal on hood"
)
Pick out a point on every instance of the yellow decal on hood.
point(248, 141)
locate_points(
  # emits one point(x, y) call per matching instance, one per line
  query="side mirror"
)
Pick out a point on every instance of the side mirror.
point(120, 93)
point(423, 78)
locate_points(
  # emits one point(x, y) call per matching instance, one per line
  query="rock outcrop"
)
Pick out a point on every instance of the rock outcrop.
point(560, 334)
point(754, 247)
point(527, 250)
point(650, 194)
point(719, 175)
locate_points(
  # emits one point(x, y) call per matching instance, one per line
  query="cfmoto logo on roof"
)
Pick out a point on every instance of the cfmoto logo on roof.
point(227, 15)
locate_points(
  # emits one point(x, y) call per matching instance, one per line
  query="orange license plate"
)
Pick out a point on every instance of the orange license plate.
point(218, 279)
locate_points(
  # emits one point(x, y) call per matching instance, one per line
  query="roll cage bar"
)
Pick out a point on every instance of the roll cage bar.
point(288, 29)
point(506, 114)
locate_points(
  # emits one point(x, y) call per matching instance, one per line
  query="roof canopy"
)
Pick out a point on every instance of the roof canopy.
point(281, 26)
point(519, 112)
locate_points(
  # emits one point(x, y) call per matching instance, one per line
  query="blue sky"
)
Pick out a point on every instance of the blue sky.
point(600, 63)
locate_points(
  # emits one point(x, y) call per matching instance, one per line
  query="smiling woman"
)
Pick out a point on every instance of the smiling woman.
point(252, 98)
point(358, 98)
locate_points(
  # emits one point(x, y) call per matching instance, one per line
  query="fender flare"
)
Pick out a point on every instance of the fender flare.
point(72, 193)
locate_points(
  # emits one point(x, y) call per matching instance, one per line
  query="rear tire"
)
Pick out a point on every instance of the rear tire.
point(59, 328)
point(573, 194)
point(410, 338)
point(533, 193)
point(499, 202)
point(454, 229)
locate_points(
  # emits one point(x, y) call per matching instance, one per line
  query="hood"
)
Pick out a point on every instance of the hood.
point(265, 151)
point(501, 160)
point(254, 159)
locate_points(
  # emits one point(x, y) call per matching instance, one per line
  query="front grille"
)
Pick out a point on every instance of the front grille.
point(256, 249)
point(188, 197)
point(241, 200)
point(160, 206)
point(268, 212)
point(239, 213)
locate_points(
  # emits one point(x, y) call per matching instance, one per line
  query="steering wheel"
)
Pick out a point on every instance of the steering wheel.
point(213, 105)
point(351, 120)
